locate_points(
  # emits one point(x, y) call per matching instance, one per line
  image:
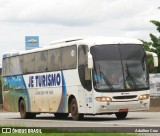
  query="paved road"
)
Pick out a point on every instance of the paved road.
point(134, 119)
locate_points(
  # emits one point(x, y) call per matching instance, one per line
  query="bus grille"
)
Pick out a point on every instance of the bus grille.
point(125, 97)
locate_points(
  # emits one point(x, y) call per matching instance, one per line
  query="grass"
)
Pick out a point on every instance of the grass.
point(72, 134)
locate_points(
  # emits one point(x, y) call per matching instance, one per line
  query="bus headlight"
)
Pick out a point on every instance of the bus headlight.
point(144, 97)
point(103, 99)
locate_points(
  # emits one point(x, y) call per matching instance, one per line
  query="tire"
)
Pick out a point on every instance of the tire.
point(74, 110)
point(61, 115)
point(23, 113)
point(121, 115)
point(22, 109)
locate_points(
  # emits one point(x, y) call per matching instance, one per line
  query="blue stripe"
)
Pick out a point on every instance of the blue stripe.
point(63, 102)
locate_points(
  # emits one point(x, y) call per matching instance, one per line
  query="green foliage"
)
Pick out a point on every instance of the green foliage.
point(73, 134)
point(153, 46)
point(157, 23)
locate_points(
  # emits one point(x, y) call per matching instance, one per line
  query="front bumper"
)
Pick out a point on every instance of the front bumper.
point(108, 107)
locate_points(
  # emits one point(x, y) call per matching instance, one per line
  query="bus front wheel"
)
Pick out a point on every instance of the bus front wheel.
point(121, 115)
point(74, 110)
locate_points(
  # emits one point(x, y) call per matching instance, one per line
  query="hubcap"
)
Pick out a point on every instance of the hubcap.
point(74, 109)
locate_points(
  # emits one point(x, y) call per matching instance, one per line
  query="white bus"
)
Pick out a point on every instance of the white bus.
point(81, 76)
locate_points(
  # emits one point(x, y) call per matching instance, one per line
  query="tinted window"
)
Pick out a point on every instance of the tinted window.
point(103, 52)
point(41, 61)
point(84, 72)
point(11, 66)
point(69, 57)
point(28, 63)
point(82, 55)
point(132, 52)
point(119, 67)
point(54, 60)
point(5, 67)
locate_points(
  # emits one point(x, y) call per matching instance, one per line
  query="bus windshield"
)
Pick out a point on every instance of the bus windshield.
point(119, 68)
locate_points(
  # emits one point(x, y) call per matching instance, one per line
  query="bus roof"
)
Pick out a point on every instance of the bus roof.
point(87, 40)
point(92, 40)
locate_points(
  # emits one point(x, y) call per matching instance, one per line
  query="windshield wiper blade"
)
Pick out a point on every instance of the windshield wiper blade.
point(131, 77)
point(106, 80)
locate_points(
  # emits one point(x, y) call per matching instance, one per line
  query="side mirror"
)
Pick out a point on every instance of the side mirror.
point(155, 58)
point(90, 61)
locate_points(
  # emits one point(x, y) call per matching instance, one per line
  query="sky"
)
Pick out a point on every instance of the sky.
point(58, 19)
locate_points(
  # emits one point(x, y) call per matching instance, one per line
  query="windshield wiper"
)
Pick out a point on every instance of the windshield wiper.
point(106, 80)
point(131, 77)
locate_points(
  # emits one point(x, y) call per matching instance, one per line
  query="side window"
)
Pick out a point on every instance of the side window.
point(84, 72)
point(22, 63)
point(28, 63)
point(69, 57)
point(11, 66)
point(15, 66)
point(41, 61)
point(5, 67)
point(82, 55)
point(54, 60)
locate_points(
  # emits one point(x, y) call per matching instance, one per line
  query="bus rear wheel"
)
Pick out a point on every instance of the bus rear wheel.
point(74, 110)
point(23, 113)
point(22, 109)
point(121, 115)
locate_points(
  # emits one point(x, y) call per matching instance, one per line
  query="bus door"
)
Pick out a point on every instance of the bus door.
point(89, 92)
point(89, 101)
point(85, 78)
point(82, 100)
point(85, 101)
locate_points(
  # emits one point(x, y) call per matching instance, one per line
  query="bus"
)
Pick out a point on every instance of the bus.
point(73, 76)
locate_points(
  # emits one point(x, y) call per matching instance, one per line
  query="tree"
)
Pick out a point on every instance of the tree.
point(153, 46)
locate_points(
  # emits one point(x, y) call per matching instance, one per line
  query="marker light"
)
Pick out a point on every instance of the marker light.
point(103, 99)
point(144, 97)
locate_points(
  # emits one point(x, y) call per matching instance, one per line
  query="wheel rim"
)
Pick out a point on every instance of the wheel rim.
point(22, 108)
point(74, 109)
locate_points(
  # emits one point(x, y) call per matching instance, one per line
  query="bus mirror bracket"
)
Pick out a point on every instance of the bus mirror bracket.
point(155, 58)
point(90, 61)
